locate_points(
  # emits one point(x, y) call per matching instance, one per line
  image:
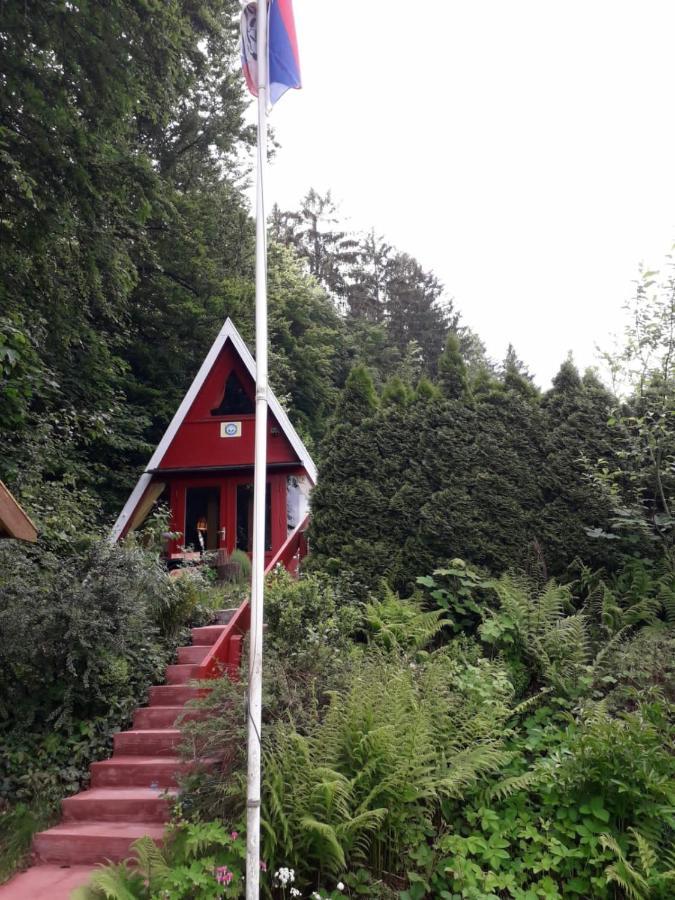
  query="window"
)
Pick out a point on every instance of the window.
point(235, 399)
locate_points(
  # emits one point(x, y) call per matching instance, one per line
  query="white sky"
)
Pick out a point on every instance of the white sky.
point(523, 150)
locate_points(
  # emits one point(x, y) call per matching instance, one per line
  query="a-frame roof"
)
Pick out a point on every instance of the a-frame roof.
point(227, 333)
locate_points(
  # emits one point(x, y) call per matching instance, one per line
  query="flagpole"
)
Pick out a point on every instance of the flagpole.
point(259, 483)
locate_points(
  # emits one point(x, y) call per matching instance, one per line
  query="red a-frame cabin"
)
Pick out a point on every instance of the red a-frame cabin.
point(203, 466)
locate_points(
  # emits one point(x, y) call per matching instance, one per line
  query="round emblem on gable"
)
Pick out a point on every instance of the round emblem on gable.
point(230, 429)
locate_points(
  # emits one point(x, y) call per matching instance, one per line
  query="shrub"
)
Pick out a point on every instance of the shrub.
point(190, 599)
point(18, 824)
point(78, 651)
point(310, 619)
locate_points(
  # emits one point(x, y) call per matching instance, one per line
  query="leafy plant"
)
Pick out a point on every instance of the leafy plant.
point(456, 589)
point(202, 861)
point(93, 652)
point(364, 784)
point(393, 623)
point(640, 878)
point(18, 824)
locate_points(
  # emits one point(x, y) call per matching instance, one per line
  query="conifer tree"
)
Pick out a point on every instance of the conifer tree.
point(452, 376)
point(396, 392)
point(577, 435)
point(348, 507)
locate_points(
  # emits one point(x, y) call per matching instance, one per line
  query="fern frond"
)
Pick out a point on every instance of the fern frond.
point(646, 852)
point(525, 782)
point(115, 881)
point(526, 705)
point(332, 853)
point(151, 860)
point(623, 873)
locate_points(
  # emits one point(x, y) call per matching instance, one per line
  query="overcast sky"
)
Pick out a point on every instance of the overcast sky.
point(523, 150)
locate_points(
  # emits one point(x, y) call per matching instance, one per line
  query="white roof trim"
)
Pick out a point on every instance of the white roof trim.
point(227, 332)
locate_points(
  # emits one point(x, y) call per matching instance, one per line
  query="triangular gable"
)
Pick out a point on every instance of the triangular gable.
point(227, 333)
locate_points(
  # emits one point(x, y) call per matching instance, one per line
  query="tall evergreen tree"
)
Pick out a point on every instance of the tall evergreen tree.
point(366, 295)
point(348, 507)
point(452, 376)
point(577, 435)
point(314, 232)
point(414, 309)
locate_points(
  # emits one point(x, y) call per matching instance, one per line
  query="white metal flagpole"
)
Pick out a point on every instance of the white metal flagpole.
point(259, 483)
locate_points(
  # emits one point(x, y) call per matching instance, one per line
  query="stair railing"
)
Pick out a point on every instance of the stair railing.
point(225, 654)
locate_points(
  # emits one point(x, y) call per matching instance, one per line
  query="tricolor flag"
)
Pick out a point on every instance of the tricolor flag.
point(284, 62)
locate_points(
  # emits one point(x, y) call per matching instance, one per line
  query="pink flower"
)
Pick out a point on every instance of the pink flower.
point(234, 835)
point(223, 875)
point(263, 866)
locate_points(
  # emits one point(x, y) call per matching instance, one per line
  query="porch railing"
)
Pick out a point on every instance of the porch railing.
point(225, 654)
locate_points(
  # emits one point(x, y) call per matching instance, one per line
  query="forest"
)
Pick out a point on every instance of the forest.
point(470, 689)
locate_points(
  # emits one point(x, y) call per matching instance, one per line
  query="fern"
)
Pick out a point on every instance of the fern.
point(376, 768)
point(514, 785)
point(393, 623)
point(114, 882)
point(539, 626)
point(526, 705)
point(638, 878)
point(151, 861)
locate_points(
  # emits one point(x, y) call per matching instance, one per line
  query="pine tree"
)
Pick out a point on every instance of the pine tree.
point(314, 232)
point(366, 295)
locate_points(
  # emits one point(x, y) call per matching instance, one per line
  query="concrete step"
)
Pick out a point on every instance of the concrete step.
point(138, 771)
point(192, 655)
point(164, 716)
point(207, 634)
point(117, 804)
point(46, 882)
point(174, 694)
point(147, 742)
point(80, 843)
point(181, 674)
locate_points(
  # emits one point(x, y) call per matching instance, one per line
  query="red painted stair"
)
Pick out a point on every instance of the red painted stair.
point(127, 799)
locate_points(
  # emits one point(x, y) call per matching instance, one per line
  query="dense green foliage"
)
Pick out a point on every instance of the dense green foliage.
point(82, 637)
point(491, 475)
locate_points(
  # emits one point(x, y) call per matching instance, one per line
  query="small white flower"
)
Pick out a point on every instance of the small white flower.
point(340, 886)
point(285, 876)
point(295, 892)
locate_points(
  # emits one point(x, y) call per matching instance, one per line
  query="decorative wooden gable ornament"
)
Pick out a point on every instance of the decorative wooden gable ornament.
point(212, 435)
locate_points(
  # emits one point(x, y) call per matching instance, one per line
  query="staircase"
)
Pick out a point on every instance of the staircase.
point(130, 792)
point(127, 799)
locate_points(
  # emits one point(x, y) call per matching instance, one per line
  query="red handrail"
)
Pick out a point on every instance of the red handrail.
point(225, 654)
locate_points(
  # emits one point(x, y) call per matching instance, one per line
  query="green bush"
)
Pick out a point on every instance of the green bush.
point(310, 619)
point(78, 650)
point(190, 599)
point(18, 824)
